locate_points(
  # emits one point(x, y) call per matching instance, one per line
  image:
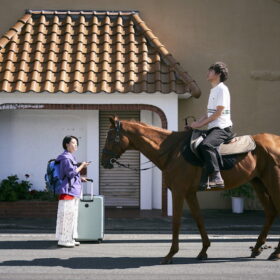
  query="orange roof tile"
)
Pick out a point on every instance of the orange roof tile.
point(88, 51)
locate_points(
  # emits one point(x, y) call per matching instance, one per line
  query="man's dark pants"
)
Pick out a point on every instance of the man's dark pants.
point(208, 147)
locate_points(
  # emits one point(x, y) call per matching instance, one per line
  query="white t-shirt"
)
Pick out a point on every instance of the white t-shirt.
point(219, 96)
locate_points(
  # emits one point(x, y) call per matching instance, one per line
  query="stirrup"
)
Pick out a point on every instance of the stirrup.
point(204, 186)
point(215, 185)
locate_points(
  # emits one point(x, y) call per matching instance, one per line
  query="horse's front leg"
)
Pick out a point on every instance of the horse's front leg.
point(177, 204)
point(195, 211)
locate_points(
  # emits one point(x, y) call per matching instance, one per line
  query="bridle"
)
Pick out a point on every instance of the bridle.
point(115, 156)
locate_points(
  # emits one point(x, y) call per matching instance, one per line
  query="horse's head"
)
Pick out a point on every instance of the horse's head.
point(116, 143)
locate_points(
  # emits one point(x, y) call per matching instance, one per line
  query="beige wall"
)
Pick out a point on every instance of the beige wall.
point(243, 33)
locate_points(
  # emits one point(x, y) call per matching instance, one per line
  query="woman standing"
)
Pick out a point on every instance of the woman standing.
point(69, 193)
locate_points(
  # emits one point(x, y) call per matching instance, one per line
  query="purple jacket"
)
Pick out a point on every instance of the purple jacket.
point(71, 180)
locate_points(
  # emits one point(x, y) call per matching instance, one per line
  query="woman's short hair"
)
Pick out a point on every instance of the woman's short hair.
point(67, 139)
point(220, 68)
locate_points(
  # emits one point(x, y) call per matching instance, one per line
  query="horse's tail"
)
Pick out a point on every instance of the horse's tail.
point(271, 144)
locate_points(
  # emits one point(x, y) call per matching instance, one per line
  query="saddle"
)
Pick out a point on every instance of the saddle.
point(233, 146)
point(227, 152)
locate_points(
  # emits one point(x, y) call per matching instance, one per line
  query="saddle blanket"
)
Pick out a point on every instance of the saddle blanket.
point(239, 145)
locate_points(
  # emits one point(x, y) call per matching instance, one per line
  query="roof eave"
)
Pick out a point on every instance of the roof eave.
point(168, 58)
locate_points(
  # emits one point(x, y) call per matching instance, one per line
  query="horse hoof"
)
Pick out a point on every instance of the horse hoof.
point(274, 257)
point(255, 254)
point(202, 257)
point(166, 261)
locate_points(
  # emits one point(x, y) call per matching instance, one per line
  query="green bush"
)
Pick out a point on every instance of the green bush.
point(11, 189)
point(244, 190)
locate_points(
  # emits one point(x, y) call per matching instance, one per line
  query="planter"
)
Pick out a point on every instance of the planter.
point(28, 209)
point(237, 204)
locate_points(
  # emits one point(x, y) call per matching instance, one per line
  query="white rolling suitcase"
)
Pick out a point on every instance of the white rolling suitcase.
point(91, 216)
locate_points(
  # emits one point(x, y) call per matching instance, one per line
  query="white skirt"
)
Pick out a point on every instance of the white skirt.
point(67, 220)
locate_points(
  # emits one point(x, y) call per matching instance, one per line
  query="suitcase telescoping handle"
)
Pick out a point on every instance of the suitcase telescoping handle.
point(91, 190)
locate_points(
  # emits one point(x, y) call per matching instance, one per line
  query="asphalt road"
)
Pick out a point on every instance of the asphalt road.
point(133, 256)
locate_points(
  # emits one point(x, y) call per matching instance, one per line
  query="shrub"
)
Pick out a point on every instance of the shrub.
point(11, 189)
point(244, 190)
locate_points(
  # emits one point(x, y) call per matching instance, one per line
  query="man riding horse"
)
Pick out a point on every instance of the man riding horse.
point(219, 124)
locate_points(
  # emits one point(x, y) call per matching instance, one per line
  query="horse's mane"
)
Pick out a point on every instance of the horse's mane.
point(148, 126)
point(159, 129)
point(138, 122)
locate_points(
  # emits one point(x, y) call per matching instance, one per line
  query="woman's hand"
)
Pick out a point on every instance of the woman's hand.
point(85, 164)
point(83, 179)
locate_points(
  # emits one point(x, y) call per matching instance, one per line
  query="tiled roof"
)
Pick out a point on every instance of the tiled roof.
point(88, 51)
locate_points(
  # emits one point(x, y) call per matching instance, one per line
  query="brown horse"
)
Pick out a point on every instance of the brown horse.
point(163, 147)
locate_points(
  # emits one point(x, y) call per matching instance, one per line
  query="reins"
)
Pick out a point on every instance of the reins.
point(113, 160)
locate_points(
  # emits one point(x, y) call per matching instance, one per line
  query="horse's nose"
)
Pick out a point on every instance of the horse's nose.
point(107, 164)
point(103, 160)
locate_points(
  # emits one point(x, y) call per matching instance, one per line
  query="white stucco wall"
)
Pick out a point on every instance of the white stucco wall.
point(26, 151)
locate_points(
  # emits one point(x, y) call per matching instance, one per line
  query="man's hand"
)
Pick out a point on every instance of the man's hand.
point(205, 120)
point(195, 125)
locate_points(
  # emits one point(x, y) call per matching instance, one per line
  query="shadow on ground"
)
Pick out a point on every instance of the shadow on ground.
point(113, 263)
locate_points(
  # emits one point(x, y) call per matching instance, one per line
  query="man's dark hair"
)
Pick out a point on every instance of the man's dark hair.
point(220, 68)
point(67, 139)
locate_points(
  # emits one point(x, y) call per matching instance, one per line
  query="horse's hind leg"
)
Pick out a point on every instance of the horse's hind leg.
point(270, 214)
point(271, 180)
point(195, 211)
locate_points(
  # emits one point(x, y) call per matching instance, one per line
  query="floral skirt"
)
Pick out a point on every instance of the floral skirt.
point(67, 220)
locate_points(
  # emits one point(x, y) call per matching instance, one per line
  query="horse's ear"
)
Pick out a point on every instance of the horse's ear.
point(112, 121)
